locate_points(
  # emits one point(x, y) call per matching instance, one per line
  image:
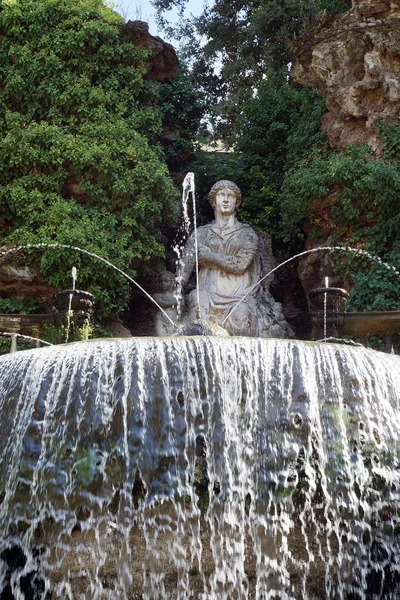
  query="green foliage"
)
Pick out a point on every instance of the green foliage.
point(79, 160)
point(258, 208)
point(85, 332)
point(364, 212)
point(5, 345)
point(390, 133)
point(57, 334)
point(277, 127)
point(54, 334)
point(233, 43)
point(182, 109)
point(375, 289)
point(8, 306)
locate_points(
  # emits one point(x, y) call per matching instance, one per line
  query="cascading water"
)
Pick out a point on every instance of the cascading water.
point(294, 493)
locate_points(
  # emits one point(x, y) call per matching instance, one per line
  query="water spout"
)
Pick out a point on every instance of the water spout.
point(74, 275)
point(189, 188)
point(69, 312)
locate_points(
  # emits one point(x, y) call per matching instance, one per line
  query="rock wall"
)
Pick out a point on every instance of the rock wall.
point(21, 282)
point(354, 61)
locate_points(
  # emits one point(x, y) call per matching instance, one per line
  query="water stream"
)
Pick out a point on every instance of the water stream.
point(204, 468)
point(188, 189)
point(348, 249)
point(92, 255)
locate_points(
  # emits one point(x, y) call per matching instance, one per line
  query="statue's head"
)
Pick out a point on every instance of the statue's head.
point(221, 185)
point(167, 281)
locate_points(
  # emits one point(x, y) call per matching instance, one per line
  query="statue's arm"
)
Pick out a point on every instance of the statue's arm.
point(236, 264)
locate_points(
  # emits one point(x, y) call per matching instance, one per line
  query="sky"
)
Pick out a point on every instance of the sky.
point(142, 10)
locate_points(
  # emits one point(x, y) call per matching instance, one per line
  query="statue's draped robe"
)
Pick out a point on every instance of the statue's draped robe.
point(227, 277)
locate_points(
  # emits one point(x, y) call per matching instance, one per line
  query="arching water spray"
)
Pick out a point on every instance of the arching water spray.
point(7, 334)
point(93, 255)
point(321, 249)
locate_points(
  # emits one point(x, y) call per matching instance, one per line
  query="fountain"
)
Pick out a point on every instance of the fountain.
point(215, 468)
point(104, 495)
point(330, 320)
point(327, 309)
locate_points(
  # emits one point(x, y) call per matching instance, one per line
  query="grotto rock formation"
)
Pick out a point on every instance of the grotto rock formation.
point(354, 61)
point(163, 62)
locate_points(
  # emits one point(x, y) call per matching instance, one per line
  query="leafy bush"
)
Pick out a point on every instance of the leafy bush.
point(8, 306)
point(182, 109)
point(277, 127)
point(79, 159)
point(365, 214)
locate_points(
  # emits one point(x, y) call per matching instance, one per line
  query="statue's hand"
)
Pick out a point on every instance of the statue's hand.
point(205, 255)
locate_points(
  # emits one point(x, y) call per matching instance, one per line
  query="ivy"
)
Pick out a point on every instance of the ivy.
point(8, 306)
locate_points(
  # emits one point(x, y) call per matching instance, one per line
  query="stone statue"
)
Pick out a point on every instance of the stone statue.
point(167, 299)
point(229, 266)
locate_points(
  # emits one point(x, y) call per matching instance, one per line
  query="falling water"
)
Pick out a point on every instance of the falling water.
point(325, 307)
point(208, 468)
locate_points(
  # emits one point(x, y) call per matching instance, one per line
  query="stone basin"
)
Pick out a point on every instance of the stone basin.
point(366, 324)
point(297, 494)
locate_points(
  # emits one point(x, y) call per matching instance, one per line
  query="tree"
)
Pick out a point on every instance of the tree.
point(182, 109)
point(79, 159)
point(243, 40)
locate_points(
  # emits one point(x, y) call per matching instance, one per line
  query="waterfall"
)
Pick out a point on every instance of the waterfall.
point(207, 468)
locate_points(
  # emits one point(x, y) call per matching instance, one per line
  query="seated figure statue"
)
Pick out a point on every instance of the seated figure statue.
point(229, 266)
